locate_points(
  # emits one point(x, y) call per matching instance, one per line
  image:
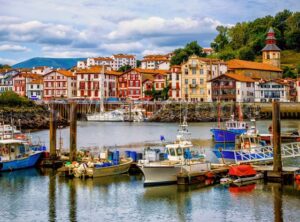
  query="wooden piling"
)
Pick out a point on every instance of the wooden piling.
point(73, 130)
point(52, 134)
point(277, 163)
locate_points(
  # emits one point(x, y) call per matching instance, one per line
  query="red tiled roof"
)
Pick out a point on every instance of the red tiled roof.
point(242, 64)
point(237, 77)
point(124, 56)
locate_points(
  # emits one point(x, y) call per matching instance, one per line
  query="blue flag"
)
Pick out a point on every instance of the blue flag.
point(162, 138)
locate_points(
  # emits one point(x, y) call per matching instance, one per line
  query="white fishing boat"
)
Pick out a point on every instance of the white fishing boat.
point(180, 159)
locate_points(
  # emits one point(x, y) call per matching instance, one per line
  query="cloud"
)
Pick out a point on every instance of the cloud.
point(7, 61)
point(61, 52)
point(157, 26)
point(123, 47)
point(13, 48)
point(38, 32)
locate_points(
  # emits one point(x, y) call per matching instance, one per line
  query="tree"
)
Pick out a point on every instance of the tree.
point(246, 53)
point(227, 54)
point(221, 41)
point(182, 54)
point(124, 68)
point(5, 66)
point(138, 63)
point(288, 72)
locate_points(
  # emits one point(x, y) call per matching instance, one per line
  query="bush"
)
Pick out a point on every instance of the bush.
point(10, 98)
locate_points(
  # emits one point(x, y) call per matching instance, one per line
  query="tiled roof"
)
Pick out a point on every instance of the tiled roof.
point(146, 77)
point(151, 71)
point(65, 73)
point(242, 64)
point(271, 47)
point(112, 72)
point(92, 70)
point(237, 77)
point(103, 59)
point(124, 56)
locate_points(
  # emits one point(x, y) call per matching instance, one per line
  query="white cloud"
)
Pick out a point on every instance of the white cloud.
point(123, 47)
point(13, 48)
point(7, 61)
point(157, 26)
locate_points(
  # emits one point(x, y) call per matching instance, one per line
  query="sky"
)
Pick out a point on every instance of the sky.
point(88, 28)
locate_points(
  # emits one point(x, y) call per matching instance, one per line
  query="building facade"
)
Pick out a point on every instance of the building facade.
point(174, 80)
point(231, 87)
point(59, 84)
point(271, 90)
point(156, 62)
point(98, 82)
point(195, 73)
point(298, 89)
point(120, 60)
point(6, 80)
point(34, 88)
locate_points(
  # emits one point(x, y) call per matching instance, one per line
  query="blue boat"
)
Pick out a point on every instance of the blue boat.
point(248, 144)
point(17, 154)
point(233, 128)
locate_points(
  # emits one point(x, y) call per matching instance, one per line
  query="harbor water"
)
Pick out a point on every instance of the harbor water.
point(40, 195)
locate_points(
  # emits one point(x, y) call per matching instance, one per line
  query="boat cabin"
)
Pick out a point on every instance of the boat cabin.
point(233, 124)
point(176, 151)
point(249, 141)
point(12, 149)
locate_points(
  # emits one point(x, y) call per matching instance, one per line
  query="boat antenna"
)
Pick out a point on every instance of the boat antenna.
point(12, 126)
point(180, 113)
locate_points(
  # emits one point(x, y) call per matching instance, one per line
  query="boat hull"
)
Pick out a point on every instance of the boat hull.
point(22, 163)
point(112, 170)
point(157, 174)
point(226, 136)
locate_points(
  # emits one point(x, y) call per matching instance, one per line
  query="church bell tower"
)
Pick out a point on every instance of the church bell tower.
point(271, 52)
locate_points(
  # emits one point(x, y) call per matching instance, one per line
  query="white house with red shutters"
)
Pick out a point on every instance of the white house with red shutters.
point(59, 84)
point(97, 82)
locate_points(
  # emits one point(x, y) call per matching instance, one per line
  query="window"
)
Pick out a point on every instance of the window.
point(186, 71)
point(248, 84)
point(193, 91)
point(177, 77)
point(202, 92)
point(186, 81)
point(172, 152)
point(201, 72)
point(193, 81)
point(201, 81)
point(194, 71)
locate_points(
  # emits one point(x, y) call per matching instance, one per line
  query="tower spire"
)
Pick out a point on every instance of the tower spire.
point(271, 52)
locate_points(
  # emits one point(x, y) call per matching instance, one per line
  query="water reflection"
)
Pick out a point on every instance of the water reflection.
point(52, 196)
point(72, 201)
point(277, 196)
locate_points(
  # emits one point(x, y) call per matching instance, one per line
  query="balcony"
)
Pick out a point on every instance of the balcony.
point(224, 96)
point(217, 87)
point(193, 85)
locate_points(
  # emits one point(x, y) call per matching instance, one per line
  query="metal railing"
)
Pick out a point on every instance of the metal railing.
point(265, 153)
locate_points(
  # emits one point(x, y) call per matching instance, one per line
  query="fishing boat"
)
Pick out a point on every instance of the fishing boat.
point(241, 174)
point(233, 128)
point(247, 144)
point(17, 154)
point(180, 159)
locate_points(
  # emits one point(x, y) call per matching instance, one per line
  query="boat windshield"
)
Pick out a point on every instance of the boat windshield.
point(172, 151)
point(179, 152)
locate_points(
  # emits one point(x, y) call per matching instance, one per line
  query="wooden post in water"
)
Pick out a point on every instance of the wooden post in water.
point(73, 130)
point(277, 163)
point(52, 133)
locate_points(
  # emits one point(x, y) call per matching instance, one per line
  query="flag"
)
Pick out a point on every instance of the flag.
point(162, 138)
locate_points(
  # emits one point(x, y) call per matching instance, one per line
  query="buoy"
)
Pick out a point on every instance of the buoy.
point(209, 175)
point(297, 177)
